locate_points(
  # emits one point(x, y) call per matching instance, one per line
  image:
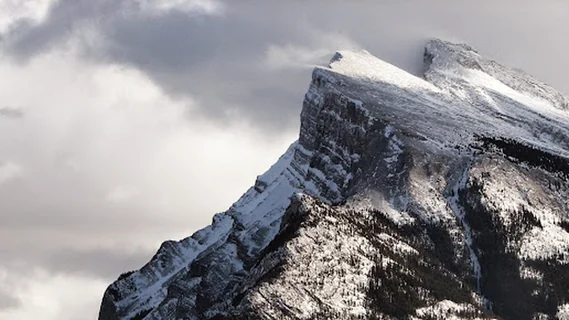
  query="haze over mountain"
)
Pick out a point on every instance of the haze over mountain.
point(435, 197)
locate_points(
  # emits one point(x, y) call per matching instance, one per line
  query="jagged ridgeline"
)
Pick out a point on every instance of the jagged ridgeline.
point(439, 196)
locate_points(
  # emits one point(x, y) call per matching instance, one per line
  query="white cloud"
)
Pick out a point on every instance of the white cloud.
point(9, 171)
point(89, 128)
point(161, 6)
point(47, 297)
point(121, 194)
point(11, 11)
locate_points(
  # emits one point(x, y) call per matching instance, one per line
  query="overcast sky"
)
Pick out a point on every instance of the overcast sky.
point(124, 123)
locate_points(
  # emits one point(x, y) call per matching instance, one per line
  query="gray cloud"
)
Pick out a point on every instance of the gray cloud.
point(64, 257)
point(100, 263)
point(218, 58)
point(11, 112)
point(8, 301)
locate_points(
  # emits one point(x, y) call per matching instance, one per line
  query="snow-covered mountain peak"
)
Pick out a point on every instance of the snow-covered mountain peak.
point(460, 62)
point(441, 54)
point(442, 197)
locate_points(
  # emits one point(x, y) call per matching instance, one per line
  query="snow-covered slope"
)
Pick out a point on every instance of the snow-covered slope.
point(435, 197)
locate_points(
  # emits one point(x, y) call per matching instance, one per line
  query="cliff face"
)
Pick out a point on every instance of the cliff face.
point(440, 197)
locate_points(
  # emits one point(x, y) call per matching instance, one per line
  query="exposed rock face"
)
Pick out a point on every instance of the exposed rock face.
point(441, 197)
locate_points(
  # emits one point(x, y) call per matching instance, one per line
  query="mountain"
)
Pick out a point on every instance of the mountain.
point(444, 196)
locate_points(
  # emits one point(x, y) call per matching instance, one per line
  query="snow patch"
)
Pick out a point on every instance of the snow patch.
point(549, 242)
point(454, 203)
point(563, 313)
point(447, 309)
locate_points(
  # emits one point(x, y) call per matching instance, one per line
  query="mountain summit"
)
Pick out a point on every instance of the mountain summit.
point(436, 197)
